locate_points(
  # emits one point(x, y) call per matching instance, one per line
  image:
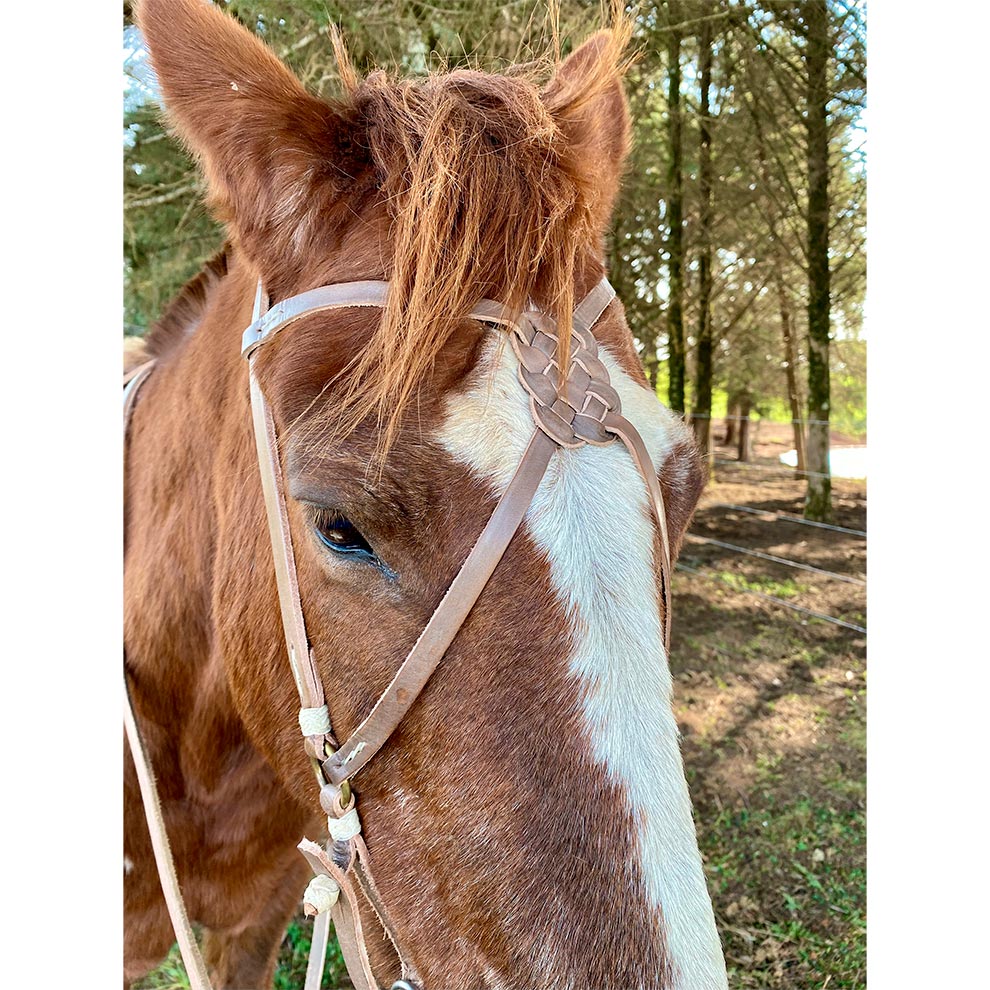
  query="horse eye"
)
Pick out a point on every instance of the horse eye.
point(342, 536)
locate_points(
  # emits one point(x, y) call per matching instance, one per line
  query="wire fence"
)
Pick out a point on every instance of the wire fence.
point(773, 558)
point(833, 620)
point(739, 547)
point(792, 471)
point(787, 517)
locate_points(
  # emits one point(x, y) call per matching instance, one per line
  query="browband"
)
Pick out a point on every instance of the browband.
point(343, 295)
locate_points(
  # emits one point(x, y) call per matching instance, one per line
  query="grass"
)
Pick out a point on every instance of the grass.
point(787, 588)
point(773, 715)
point(808, 925)
point(170, 975)
point(294, 954)
point(290, 973)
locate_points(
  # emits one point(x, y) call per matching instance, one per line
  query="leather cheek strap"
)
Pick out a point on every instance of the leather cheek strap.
point(448, 618)
point(633, 442)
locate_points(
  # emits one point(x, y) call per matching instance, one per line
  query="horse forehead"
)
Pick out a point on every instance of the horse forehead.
point(486, 425)
point(590, 517)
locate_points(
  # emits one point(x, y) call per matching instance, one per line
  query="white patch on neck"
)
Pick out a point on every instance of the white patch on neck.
point(591, 516)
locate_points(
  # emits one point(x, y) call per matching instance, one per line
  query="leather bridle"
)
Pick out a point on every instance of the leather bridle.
point(569, 410)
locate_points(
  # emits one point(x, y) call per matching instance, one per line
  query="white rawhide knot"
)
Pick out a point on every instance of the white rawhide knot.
point(321, 895)
point(345, 827)
point(314, 721)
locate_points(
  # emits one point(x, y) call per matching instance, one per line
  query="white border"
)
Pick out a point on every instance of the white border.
point(62, 497)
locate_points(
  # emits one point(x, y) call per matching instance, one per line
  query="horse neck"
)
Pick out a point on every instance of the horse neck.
point(189, 441)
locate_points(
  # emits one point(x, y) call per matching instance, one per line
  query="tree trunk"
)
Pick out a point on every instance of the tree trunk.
point(731, 418)
point(784, 305)
point(649, 357)
point(675, 218)
point(745, 451)
point(818, 504)
point(790, 361)
point(702, 414)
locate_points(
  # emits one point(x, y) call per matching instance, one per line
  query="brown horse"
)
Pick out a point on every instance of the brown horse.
point(529, 819)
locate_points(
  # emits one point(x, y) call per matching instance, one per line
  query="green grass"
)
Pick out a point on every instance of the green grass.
point(170, 975)
point(290, 972)
point(775, 759)
point(790, 880)
point(765, 585)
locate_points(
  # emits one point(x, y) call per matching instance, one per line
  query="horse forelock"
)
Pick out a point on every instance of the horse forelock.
point(484, 187)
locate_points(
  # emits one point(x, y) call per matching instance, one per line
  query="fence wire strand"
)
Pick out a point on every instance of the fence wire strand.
point(772, 598)
point(773, 467)
point(786, 517)
point(848, 579)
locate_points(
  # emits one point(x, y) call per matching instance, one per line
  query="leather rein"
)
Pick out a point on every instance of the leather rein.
point(569, 410)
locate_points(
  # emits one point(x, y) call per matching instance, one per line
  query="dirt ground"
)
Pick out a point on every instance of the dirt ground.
point(771, 704)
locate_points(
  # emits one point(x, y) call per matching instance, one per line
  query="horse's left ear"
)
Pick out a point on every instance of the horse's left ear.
point(587, 100)
point(278, 161)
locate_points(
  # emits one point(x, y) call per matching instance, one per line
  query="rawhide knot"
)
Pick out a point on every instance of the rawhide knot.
point(571, 412)
point(321, 895)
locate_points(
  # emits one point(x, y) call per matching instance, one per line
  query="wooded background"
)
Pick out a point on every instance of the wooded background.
point(738, 243)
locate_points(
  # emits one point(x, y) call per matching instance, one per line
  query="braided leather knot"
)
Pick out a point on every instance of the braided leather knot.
point(571, 412)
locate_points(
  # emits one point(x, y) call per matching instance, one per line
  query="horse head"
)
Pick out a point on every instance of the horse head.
point(529, 818)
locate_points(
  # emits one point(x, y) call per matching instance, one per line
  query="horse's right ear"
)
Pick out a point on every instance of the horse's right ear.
point(276, 159)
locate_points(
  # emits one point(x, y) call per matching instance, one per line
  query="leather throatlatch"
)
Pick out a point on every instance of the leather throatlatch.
point(569, 411)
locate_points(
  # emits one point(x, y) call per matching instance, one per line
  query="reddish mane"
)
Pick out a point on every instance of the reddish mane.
point(183, 313)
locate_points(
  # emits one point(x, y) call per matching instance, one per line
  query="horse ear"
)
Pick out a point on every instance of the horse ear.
point(275, 158)
point(587, 100)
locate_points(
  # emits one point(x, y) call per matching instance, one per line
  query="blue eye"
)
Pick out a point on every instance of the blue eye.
point(341, 536)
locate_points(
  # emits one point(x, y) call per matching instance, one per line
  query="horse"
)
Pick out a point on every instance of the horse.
point(529, 818)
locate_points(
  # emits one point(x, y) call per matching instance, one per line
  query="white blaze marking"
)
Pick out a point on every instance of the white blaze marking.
point(591, 516)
